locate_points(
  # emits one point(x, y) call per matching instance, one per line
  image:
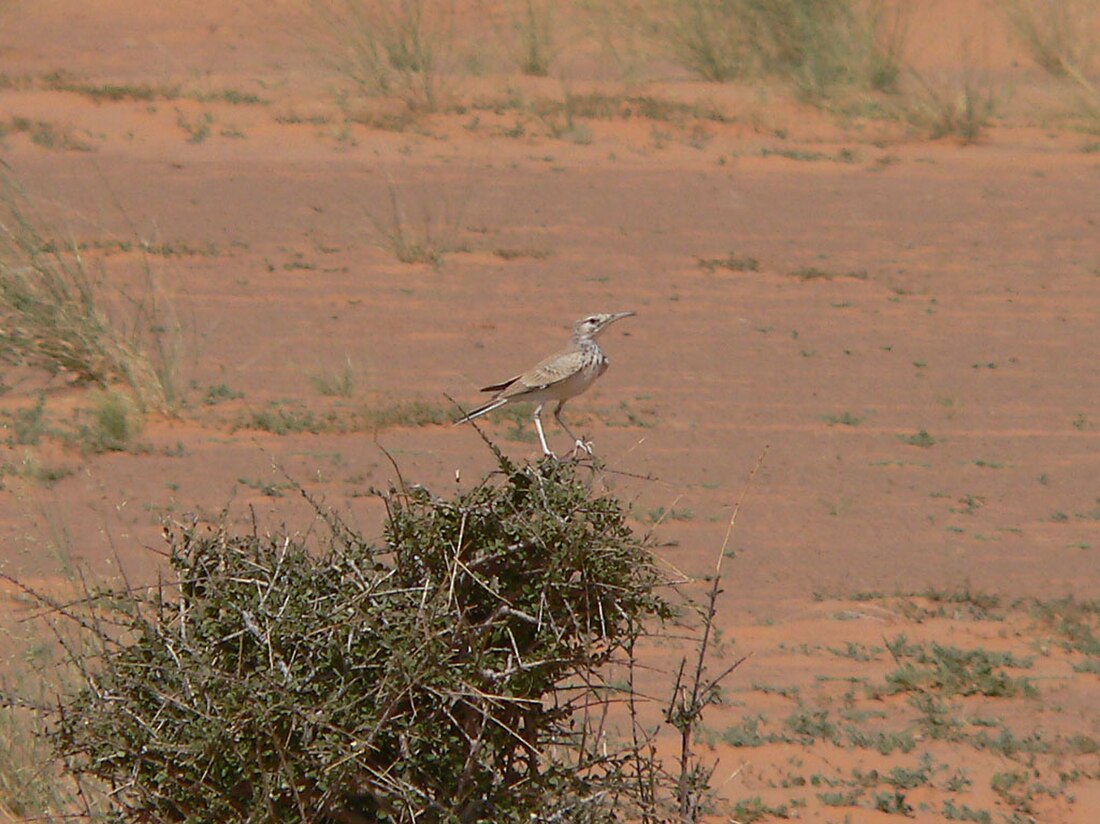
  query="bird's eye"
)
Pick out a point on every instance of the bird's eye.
point(592, 320)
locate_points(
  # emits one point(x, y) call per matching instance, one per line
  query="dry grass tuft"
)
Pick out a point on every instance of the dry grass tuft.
point(391, 48)
point(57, 316)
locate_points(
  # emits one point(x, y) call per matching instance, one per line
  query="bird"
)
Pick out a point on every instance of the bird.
point(560, 377)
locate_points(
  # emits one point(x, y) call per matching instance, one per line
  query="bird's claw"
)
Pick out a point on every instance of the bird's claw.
point(581, 446)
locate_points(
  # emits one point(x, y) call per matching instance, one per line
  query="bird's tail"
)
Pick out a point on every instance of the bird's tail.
point(481, 410)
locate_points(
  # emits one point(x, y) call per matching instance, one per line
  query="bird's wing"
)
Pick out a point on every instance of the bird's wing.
point(552, 370)
point(496, 387)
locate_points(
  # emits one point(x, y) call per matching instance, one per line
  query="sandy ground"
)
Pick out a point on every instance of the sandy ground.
point(944, 289)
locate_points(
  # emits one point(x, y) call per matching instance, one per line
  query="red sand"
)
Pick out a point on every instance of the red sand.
point(972, 315)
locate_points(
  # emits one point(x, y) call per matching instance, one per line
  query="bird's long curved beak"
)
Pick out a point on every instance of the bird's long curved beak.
point(618, 316)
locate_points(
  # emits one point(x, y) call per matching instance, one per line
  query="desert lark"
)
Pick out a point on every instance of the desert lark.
point(559, 377)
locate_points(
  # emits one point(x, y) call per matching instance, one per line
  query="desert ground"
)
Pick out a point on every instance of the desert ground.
point(903, 322)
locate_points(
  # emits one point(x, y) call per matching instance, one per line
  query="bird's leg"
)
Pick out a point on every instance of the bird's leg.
point(578, 444)
point(542, 437)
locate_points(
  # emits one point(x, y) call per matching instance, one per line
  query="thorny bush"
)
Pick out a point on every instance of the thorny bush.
point(447, 675)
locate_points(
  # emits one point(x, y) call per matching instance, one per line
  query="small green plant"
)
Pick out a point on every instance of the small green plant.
point(881, 741)
point(953, 671)
point(891, 802)
point(1014, 788)
point(749, 810)
point(271, 489)
point(32, 469)
point(844, 419)
point(921, 439)
point(969, 504)
point(113, 92)
point(908, 778)
point(284, 419)
point(842, 156)
point(944, 109)
point(936, 720)
point(404, 413)
point(115, 423)
point(731, 263)
point(47, 135)
point(427, 241)
point(660, 514)
point(234, 97)
point(809, 725)
point(29, 425)
point(216, 394)
point(746, 734)
point(961, 812)
point(1074, 621)
point(197, 130)
point(841, 798)
point(958, 781)
point(770, 689)
point(517, 252)
point(813, 273)
point(340, 385)
point(857, 652)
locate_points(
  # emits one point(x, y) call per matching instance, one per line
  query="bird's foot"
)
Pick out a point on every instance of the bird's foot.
point(581, 446)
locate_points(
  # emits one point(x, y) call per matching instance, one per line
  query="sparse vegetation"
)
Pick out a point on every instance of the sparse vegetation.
point(748, 810)
point(947, 109)
point(28, 787)
point(730, 262)
point(30, 468)
point(814, 45)
point(113, 424)
point(456, 679)
point(405, 413)
point(287, 419)
point(47, 135)
point(921, 439)
point(517, 252)
point(146, 92)
point(1061, 38)
point(528, 35)
point(842, 156)
point(953, 671)
point(291, 417)
point(403, 48)
point(813, 273)
point(660, 514)
point(427, 241)
point(341, 384)
point(114, 92)
point(844, 419)
point(838, 709)
point(219, 393)
point(197, 129)
point(57, 315)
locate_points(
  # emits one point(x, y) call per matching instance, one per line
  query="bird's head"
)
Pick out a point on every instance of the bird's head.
point(589, 327)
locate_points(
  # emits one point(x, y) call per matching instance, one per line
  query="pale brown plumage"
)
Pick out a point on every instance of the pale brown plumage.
point(560, 377)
